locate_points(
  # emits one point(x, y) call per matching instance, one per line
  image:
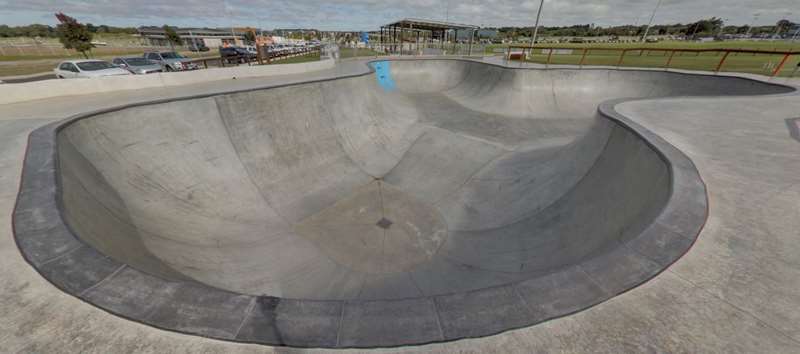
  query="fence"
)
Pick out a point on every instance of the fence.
point(412, 49)
point(265, 57)
point(32, 48)
point(767, 62)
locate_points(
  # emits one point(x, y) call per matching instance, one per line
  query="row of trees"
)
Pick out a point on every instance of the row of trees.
point(75, 35)
point(704, 27)
point(37, 30)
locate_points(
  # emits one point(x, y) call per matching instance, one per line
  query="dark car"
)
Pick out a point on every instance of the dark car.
point(236, 55)
point(198, 47)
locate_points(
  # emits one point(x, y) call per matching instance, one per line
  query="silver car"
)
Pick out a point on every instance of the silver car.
point(87, 68)
point(172, 61)
point(138, 65)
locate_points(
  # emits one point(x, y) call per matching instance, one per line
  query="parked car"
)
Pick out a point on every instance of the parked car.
point(198, 47)
point(251, 49)
point(236, 55)
point(171, 61)
point(138, 65)
point(87, 68)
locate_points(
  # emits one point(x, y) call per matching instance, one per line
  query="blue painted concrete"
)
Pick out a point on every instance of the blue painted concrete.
point(383, 73)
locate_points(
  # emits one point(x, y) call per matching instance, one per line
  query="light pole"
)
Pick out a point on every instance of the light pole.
point(447, 18)
point(749, 28)
point(650, 24)
point(536, 26)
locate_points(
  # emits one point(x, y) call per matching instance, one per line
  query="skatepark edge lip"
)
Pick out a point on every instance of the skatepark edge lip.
point(40, 193)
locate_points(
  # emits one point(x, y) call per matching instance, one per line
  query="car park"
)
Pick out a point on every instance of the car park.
point(87, 69)
point(251, 49)
point(236, 55)
point(198, 47)
point(171, 61)
point(138, 65)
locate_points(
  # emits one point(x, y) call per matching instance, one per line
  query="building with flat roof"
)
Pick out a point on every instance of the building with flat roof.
point(209, 37)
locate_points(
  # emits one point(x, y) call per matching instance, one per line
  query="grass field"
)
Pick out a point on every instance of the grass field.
point(358, 52)
point(22, 63)
point(763, 64)
point(760, 45)
point(102, 52)
point(314, 56)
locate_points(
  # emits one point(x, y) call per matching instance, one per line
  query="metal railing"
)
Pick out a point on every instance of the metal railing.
point(524, 51)
point(412, 49)
point(265, 57)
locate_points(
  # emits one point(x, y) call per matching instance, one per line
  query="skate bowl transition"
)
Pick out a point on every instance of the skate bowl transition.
point(422, 201)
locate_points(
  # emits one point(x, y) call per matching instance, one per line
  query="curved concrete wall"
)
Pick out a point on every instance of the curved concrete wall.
point(558, 93)
point(29, 91)
point(220, 189)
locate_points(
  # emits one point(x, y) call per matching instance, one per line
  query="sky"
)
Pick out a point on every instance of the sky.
point(370, 14)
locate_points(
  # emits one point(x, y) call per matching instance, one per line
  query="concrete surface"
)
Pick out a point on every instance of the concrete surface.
point(686, 308)
point(37, 90)
point(48, 75)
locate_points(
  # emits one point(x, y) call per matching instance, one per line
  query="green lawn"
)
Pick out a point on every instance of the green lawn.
point(763, 64)
point(25, 70)
point(358, 52)
point(315, 56)
point(749, 63)
point(97, 53)
point(760, 45)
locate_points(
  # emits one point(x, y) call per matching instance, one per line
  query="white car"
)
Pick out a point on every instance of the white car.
point(87, 68)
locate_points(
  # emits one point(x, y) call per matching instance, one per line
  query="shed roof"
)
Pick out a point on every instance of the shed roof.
point(429, 25)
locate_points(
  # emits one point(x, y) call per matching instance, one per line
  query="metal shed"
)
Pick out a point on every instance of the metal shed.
point(412, 35)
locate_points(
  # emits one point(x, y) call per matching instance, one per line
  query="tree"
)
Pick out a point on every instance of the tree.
point(705, 25)
point(73, 35)
point(783, 24)
point(172, 37)
point(250, 36)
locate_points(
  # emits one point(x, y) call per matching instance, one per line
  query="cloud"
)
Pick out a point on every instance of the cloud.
point(370, 14)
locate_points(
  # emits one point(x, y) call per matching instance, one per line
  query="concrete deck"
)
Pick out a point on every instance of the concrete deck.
point(734, 292)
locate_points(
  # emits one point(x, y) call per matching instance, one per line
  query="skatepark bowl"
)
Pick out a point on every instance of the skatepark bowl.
point(422, 201)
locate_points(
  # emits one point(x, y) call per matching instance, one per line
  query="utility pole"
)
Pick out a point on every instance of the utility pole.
point(447, 17)
point(536, 26)
point(749, 28)
point(650, 24)
point(696, 27)
point(721, 27)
